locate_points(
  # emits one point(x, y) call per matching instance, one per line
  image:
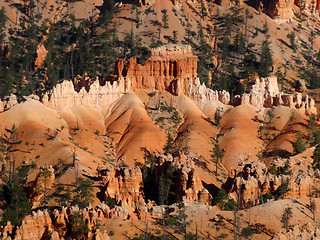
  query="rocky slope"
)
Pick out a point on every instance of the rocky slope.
point(116, 134)
point(146, 135)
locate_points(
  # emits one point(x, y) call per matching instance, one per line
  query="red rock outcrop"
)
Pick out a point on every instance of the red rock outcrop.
point(281, 9)
point(36, 226)
point(124, 185)
point(40, 225)
point(253, 179)
point(170, 68)
point(41, 55)
point(190, 182)
point(277, 9)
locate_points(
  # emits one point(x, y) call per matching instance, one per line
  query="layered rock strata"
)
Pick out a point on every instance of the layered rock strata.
point(170, 68)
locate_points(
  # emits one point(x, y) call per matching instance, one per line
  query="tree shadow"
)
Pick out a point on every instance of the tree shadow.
point(284, 43)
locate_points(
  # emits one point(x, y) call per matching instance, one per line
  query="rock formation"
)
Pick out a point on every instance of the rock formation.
point(191, 186)
point(41, 55)
point(253, 180)
point(36, 226)
point(170, 68)
point(265, 93)
point(281, 9)
point(124, 185)
point(307, 231)
point(64, 95)
point(42, 225)
point(200, 93)
point(8, 102)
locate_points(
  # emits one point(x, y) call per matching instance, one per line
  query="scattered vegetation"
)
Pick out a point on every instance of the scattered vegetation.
point(285, 217)
point(299, 145)
point(224, 202)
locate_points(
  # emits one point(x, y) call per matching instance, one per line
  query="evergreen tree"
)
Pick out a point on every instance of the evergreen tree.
point(169, 145)
point(3, 20)
point(286, 216)
point(216, 156)
point(299, 145)
point(14, 202)
point(266, 62)
point(16, 205)
point(292, 38)
point(165, 183)
point(203, 9)
point(175, 36)
point(78, 226)
point(282, 190)
point(6, 83)
point(84, 193)
point(45, 174)
point(316, 158)
point(165, 18)
point(224, 202)
point(311, 127)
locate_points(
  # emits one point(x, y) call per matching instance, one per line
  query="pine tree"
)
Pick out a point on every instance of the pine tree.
point(316, 158)
point(84, 192)
point(169, 145)
point(79, 227)
point(165, 18)
point(14, 202)
point(45, 174)
point(311, 127)
point(216, 156)
point(285, 217)
point(175, 36)
point(6, 84)
point(292, 38)
point(203, 9)
point(266, 62)
point(165, 184)
point(224, 202)
point(299, 145)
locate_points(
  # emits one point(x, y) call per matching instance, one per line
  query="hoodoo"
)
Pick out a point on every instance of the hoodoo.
point(171, 67)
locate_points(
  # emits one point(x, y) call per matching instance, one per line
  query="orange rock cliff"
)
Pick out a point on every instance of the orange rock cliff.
point(169, 68)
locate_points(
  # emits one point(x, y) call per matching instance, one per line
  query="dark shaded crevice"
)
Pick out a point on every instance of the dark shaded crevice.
point(212, 189)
